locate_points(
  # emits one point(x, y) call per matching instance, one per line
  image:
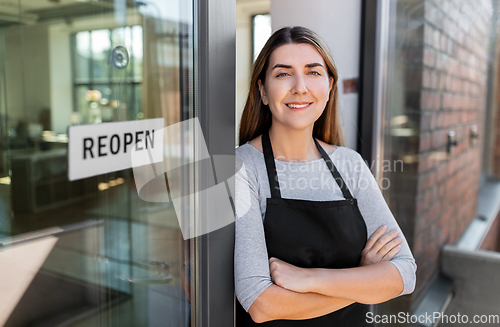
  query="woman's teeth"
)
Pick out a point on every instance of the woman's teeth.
point(296, 106)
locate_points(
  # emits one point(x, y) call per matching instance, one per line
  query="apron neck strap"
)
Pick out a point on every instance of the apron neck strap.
point(272, 172)
point(334, 171)
point(270, 165)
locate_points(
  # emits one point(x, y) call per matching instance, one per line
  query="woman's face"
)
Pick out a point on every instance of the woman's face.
point(297, 85)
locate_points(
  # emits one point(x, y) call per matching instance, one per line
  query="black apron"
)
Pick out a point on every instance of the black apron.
point(312, 234)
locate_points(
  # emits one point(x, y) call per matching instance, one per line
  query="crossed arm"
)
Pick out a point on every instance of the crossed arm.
point(301, 293)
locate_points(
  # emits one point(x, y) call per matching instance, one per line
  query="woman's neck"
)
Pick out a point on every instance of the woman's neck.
point(293, 145)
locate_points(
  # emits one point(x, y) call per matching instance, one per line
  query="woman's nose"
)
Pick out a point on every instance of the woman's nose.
point(299, 86)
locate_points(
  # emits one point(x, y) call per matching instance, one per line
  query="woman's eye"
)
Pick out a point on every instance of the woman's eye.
point(313, 72)
point(281, 74)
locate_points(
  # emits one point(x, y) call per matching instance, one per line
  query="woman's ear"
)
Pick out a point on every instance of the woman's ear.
point(263, 94)
point(330, 88)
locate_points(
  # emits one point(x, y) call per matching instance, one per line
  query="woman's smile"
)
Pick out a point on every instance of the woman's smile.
point(297, 106)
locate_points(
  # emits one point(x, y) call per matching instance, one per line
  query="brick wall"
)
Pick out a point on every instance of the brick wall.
point(496, 151)
point(491, 241)
point(453, 97)
point(495, 164)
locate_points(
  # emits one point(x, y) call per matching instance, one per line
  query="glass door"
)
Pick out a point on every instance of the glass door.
point(91, 251)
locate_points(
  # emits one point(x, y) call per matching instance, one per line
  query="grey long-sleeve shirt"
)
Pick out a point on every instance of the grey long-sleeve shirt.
point(307, 180)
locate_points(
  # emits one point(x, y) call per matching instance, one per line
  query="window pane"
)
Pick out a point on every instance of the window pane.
point(82, 105)
point(105, 111)
point(137, 52)
point(138, 101)
point(91, 252)
point(82, 57)
point(121, 102)
point(101, 45)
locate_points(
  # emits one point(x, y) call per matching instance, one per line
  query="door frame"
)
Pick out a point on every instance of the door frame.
point(215, 71)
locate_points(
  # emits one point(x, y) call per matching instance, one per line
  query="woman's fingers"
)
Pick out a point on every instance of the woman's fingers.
point(380, 247)
point(382, 241)
point(389, 246)
point(371, 241)
point(391, 253)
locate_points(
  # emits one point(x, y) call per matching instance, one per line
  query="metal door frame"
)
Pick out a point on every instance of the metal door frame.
point(215, 78)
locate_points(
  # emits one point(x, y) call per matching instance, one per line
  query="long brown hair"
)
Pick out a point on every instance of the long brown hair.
point(257, 118)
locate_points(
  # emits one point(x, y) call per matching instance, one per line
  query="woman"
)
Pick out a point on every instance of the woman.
point(310, 249)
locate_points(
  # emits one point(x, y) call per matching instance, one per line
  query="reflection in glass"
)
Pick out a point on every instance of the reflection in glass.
point(89, 252)
point(120, 88)
point(137, 52)
point(101, 49)
point(82, 57)
point(81, 114)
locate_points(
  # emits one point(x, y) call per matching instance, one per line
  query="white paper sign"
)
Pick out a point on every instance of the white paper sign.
point(103, 148)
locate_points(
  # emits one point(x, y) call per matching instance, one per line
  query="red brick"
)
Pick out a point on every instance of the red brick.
point(426, 79)
point(436, 39)
point(443, 43)
point(441, 61)
point(449, 83)
point(423, 203)
point(442, 81)
point(454, 118)
point(449, 46)
point(425, 142)
point(451, 183)
point(425, 122)
point(457, 85)
point(438, 139)
point(430, 100)
point(431, 249)
point(448, 26)
point(435, 80)
point(429, 58)
point(447, 101)
point(433, 213)
point(465, 87)
point(463, 117)
point(442, 190)
point(434, 117)
point(418, 246)
point(424, 163)
point(428, 34)
point(426, 181)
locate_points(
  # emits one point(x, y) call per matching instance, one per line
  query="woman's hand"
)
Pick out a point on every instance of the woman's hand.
point(289, 276)
point(380, 248)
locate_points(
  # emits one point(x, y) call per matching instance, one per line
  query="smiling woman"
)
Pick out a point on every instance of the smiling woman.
point(309, 255)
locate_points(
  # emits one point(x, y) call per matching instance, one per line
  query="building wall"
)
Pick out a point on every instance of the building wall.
point(453, 97)
point(496, 153)
point(495, 127)
point(491, 241)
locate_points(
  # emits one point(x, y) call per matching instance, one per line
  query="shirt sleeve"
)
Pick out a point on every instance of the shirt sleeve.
point(251, 263)
point(376, 213)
